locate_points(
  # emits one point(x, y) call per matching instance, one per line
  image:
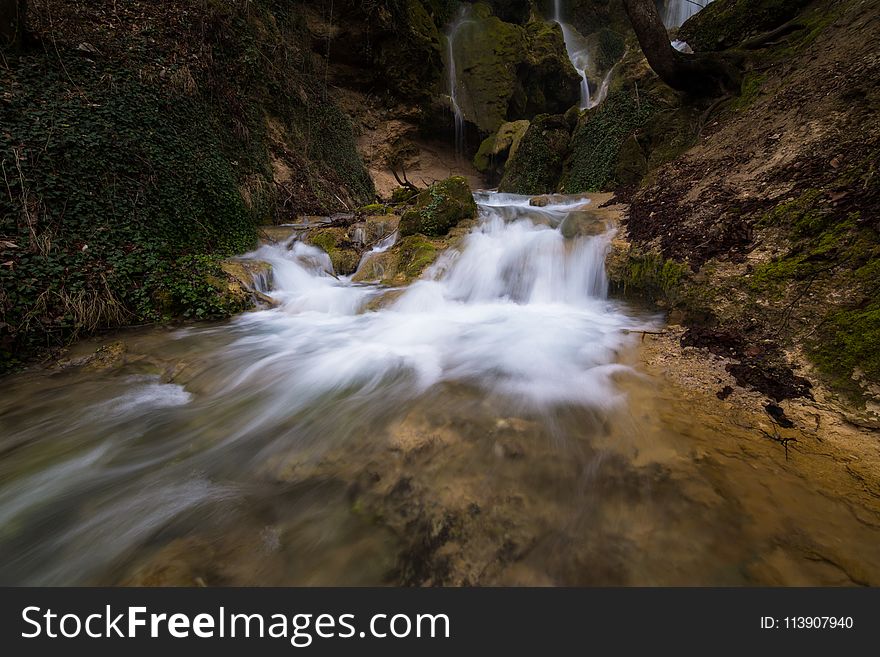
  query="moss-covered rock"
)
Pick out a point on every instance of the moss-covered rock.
point(498, 148)
point(336, 243)
point(487, 53)
point(645, 274)
point(508, 71)
point(439, 208)
point(251, 278)
point(537, 164)
point(548, 83)
point(726, 23)
point(401, 264)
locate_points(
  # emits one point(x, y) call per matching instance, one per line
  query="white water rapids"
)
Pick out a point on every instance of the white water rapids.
point(519, 314)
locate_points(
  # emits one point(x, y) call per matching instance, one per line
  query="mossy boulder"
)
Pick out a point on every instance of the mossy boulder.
point(724, 24)
point(487, 53)
point(548, 83)
point(439, 208)
point(632, 165)
point(497, 149)
point(249, 277)
point(401, 264)
point(508, 71)
point(378, 227)
point(537, 165)
point(336, 243)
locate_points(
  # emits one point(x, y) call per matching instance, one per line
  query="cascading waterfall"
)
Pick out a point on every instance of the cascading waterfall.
point(518, 314)
point(458, 115)
point(578, 55)
point(675, 12)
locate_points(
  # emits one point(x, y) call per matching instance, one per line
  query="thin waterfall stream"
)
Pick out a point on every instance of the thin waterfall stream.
point(315, 443)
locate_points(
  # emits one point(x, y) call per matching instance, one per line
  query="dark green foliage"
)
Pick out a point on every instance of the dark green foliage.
point(597, 141)
point(610, 49)
point(195, 287)
point(130, 169)
point(537, 164)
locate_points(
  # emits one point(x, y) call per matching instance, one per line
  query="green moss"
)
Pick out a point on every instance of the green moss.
point(487, 53)
point(439, 208)
point(650, 276)
point(751, 88)
point(495, 150)
point(846, 348)
point(805, 216)
point(597, 141)
point(839, 252)
point(416, 253)
point(334, 242)
point(373, 209)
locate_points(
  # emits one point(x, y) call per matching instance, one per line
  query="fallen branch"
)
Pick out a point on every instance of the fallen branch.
point(404, 182)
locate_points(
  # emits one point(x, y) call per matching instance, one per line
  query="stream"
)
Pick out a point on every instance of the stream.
point(488, 424)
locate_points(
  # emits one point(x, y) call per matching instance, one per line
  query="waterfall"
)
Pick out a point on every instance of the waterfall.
point(675, 12)
point(578, 55)
point(453, 81)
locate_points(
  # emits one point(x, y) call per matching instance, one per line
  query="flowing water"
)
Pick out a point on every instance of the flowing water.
point(675, 12)
point(481, 426)
point(578, 54)
point(458, 115)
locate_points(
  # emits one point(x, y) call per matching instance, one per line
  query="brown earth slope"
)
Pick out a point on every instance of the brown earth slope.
point(763, 237)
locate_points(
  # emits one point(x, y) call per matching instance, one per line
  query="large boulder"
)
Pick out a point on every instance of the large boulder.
point(537, 164)
point(509, 71)
point(498, 148)
point(439, 208)
point(548, 83)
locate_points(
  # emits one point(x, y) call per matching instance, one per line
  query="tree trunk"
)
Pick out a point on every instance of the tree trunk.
point(701, 74)
point(13, 33)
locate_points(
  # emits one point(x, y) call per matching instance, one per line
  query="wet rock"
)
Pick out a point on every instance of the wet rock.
point(583, 223)
point(252, 277)
point(378, 227)
point(401, 264)
point(337, 244)
point(508, 71)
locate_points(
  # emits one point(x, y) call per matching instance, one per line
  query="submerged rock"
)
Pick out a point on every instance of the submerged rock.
point(439, 208)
